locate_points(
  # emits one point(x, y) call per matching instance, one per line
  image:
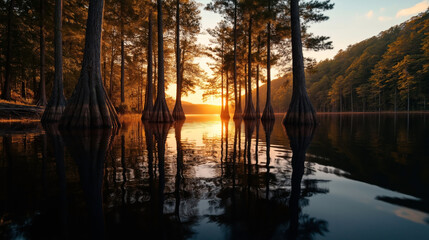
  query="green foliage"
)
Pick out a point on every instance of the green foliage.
point(370, 72)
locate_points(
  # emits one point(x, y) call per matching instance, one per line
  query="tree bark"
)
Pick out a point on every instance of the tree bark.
point(41, 98)
point(249, 112)
point(237, 111)
point(301, 111)
point(258, 113)
point(112, 61)
point(178, 113)
point(161, 113)
point(89, 106)
point(57, 102)
point(6, 90)
point(148, 106)
point(268, 114)
point(122, 54)
point(226, 110)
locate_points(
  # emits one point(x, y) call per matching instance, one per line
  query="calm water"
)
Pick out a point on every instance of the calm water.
point(353, 177)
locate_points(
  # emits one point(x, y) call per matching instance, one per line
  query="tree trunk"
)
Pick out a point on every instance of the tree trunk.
point(408, 99)
point(57, 102)
point(160, 109)
point(6, 90)
point(112, 61)
point(178, 113)
point(89, 106)
point(268, 114)
point(258, 113)
point(351, 98)
point(237, 111)
point(41, 98)
point(148, 105)
point(226, 114)
point(122, 54)
point(301, 111)
point(249, 112)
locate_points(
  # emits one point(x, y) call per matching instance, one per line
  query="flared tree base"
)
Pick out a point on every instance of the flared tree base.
point(301, 112)
point(146, 114)
point(53, 113)
point(237, 113)
point(89, 106)
point(268, 114)
point(161, 113)
point(225, 114)
point(178, 113)
point(249, 112)
point(55, 108)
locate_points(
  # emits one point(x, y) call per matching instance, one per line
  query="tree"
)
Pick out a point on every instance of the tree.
point(301, 111)
point(148, 107)
point(160, 109)
point(6, 91)
point(268, 114)
point(178, 113)
point(89, 105)
point(41, 97)
point(57, 102)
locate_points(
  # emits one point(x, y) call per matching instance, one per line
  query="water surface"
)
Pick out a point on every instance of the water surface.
point(353, 177)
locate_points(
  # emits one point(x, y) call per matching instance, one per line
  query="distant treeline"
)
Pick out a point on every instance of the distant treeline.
point(387, 72)
point(384, 72)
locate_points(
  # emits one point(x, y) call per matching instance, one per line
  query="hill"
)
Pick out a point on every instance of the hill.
point(384, 72)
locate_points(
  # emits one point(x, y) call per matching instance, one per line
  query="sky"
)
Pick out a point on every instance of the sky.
point(349, 22)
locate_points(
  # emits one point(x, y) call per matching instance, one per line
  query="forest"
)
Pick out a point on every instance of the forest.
point(382, 73)
point(253, 36)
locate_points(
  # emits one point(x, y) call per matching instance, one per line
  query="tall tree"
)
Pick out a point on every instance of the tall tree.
point(178, 113)
point(57, 102)
point(121, 19)
point(268, 114)
point(6, 90)
point(161, 113)
point(148, 106)
point(89, 106)
point(301, 111)
point(249, 110)
point(41, 96)
point(237, 112)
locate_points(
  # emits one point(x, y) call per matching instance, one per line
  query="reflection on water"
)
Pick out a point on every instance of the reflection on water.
point(354, 177)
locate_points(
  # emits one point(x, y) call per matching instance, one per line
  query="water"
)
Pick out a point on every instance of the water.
point(353, 177)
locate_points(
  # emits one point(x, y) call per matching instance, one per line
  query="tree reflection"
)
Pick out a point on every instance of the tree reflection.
point(58, 146)
point(89, 150)
point(301, 225)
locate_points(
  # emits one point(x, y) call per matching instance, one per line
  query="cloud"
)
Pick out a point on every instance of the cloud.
point(370, 14)
point(384, 18)
point(419, 7)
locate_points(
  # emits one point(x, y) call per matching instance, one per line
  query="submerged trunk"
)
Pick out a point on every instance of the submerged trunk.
point(268, 114)
point(178, 113)
point(301, 111)
point(89, 106)
point(41, 97)
point(237, 112)
point(160, 109)
point(57, 102)
point(6, 90)
point(148, 105)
